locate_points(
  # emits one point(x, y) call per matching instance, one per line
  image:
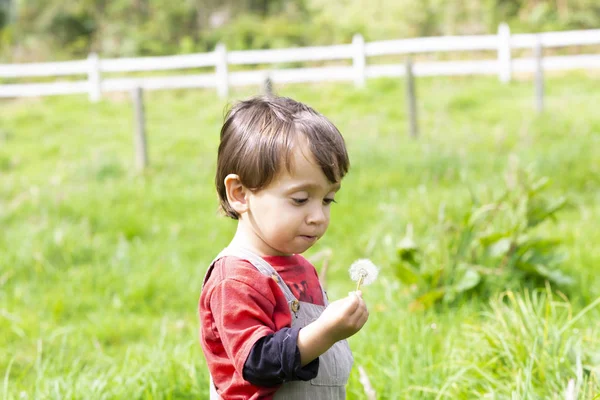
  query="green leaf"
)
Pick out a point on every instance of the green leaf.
point(527, 242)
point(470, 279)
point(407, 243)
point(406, 274)
point(526, 267)
point(538, 186)
point(480, 213)
point(408, 250)
point(500, 248)
point(430, 298)
point(540, 211)
point(489, 238)
point(553, 275)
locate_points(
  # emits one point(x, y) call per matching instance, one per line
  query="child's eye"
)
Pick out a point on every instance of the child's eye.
point(299, 201)
point(329, 201)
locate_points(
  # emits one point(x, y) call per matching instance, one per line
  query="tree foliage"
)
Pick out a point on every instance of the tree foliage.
point(52, 29)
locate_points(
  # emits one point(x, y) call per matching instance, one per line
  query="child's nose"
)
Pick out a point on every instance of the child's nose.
point(318, 215)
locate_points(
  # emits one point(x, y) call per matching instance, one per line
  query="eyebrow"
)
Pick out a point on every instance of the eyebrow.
point(306, 186)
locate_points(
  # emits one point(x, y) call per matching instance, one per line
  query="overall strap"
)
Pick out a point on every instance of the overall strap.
point(265, 268)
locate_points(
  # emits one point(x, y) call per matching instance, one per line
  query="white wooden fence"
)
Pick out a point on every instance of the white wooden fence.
point(503, 65)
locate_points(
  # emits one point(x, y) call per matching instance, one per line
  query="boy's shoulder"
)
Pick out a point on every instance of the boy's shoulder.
point(235, 268)
point(234, 273)
point(234, 276)
point(232, 268)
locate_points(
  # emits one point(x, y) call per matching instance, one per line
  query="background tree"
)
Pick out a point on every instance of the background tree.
point(52, 30)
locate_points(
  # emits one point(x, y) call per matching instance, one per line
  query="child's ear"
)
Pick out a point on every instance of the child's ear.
point(236, 193)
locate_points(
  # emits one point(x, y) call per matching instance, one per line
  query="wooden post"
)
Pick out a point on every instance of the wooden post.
point(504, 56)
point(267, 87)
point(411, 100)
point(358, 60)
point(141, 151)
point(539, 75)
point(221, 71)
point(94, 80)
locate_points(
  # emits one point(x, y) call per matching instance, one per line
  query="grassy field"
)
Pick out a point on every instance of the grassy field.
point(101, 267)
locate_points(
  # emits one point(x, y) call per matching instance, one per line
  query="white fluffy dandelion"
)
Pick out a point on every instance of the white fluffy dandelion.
point(363, 271)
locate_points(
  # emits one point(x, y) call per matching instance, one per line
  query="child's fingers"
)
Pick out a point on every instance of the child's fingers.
point(361, 301)
point(353, 303)
point(360, 307)
point(360, 316)
point(364, 318)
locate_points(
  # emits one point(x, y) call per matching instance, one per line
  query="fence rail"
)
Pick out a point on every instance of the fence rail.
point(357, 52)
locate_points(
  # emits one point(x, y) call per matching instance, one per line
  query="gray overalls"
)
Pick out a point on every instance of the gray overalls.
point(334, 365)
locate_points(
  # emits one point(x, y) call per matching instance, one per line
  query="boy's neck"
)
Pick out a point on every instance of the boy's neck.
point(250, 241)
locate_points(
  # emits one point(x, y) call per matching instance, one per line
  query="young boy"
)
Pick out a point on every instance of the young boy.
point(267, 330)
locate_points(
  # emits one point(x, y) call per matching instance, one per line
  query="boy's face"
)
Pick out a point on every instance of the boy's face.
point(292, 212)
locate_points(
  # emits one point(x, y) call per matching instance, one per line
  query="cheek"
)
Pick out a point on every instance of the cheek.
point(283, 215)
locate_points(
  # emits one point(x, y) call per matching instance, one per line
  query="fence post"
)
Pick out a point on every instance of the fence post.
point(94, 80)
point(267, 86)
point(141, 149)
point(539, 75)
point(221, 70)
point(359, 60)
point(411, 100)
point(504, 56)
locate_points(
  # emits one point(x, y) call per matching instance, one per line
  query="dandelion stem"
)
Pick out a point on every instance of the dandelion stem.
point(360, 281)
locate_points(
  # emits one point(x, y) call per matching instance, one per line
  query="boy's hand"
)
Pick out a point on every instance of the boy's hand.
point(340, 320)
point(343, 318)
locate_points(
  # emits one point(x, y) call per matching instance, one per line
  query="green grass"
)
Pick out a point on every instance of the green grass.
point(101, 267)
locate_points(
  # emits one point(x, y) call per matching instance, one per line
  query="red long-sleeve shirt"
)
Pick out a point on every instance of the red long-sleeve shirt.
point(238, 306)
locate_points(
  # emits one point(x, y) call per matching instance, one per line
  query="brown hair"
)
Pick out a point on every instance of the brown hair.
point(258, 135)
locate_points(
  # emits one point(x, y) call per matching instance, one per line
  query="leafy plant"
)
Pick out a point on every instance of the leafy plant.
point(496, 245)
point(527, 340)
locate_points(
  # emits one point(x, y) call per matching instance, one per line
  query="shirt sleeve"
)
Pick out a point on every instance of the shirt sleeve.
point(275, 359)
point(242, 315)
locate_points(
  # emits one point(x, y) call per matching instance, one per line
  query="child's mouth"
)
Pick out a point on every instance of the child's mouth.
point(309, 238)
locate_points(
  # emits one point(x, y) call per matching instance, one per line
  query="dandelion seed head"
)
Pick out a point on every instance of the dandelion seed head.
point(364, 268)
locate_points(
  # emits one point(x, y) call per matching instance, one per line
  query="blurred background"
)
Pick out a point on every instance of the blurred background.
point(36, 30)
point(474, 137)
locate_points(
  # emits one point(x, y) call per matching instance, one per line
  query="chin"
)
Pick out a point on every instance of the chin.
point(302, 249)
point(288, 251)
point(297, 246)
